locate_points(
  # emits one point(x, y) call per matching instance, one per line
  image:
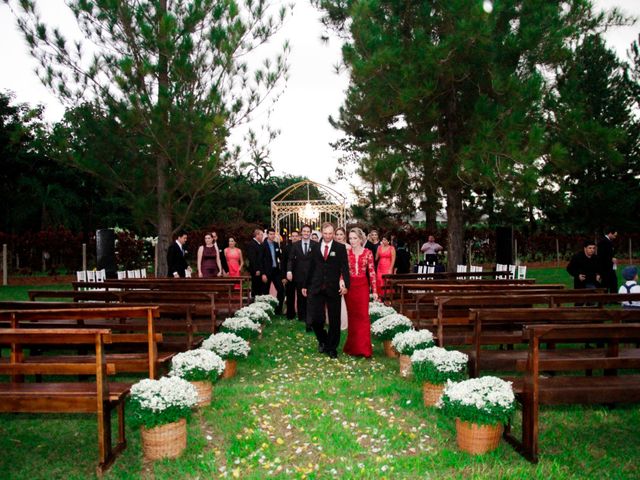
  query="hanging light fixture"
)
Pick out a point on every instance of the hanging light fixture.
point(308, 212)
point(487, 6)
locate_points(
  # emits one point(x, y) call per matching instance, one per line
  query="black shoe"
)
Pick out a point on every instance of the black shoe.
point(332, 354)
point(321, 348)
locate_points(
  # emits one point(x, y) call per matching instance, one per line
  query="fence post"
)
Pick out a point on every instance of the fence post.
point(516, 262)
point(5, 264)
point(84, 257)
point(155, 260)
point(557, 253)
point(630, 252)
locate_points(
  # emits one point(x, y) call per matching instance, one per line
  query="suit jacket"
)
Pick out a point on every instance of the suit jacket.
point(325, 274)
point(254, 257)
point(605, 255)
point(580, 264)
point(176, 261)
point(267, 261)
point(298, 262)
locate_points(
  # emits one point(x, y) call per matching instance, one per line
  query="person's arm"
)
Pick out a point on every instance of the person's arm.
point(423, 249)
point(200, 253)
point(344, 266)
point(291, 262)
point(218, 262)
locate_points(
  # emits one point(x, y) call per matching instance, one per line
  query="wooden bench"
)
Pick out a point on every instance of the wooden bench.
point(100, 396)
point(174, 322)
point(138, 351)
point(495, 327)
point(610, 387)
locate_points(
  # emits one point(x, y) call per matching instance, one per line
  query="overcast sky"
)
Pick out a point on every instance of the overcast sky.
point(314, 90)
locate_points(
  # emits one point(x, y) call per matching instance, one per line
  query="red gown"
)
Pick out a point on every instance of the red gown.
point(384, 266)
point(359, 330)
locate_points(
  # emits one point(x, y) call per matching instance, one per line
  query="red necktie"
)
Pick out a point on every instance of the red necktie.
point(326, 251)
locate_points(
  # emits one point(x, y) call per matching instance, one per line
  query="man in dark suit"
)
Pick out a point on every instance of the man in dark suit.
point(289, 286)
point(254, 262)
point(328, 264)
point(606, 257)
point(271, 271)
point(584, 267)
point(297, 269)
point(176, 263)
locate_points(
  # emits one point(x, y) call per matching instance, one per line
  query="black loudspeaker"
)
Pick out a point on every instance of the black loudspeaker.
point(504, 245)
point(106, 251)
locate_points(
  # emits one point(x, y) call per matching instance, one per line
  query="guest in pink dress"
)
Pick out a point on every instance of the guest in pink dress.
point(234, 259)
point(209, 259)
point(363, 281)
point(386, 259)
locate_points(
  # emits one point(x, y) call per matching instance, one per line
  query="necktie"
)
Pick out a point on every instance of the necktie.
point(326, 251)
point(306, 246)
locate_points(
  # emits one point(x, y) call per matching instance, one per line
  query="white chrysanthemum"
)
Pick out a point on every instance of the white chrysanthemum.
point(391, 325)
point(256, 314)
point(406, 342)
point(444, 360)
point(265, 307)
point(158, 395)
point(378, 310)
point(481, 393)
point(227, 345)
point(270, 299)
point(240, 323)
point(185, 362)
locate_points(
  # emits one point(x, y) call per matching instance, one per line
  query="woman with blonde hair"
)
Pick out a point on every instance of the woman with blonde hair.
point(363, 282)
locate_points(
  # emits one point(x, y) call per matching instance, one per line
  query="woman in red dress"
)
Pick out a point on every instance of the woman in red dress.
point(363, 281)
point(233, 255)
point(386, 259)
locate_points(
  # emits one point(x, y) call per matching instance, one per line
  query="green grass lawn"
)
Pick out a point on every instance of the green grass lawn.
point(293, 413)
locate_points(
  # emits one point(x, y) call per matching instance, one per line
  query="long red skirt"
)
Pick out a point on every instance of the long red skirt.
point(359, 332)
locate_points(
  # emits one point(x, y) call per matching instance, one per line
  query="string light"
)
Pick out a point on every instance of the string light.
point(487, 6)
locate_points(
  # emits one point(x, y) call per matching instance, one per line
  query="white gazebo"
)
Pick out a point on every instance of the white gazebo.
point(307, 202)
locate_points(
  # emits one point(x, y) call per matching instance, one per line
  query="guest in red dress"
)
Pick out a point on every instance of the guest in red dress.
point(363, 281)
point(234, 259)
point(386, 259)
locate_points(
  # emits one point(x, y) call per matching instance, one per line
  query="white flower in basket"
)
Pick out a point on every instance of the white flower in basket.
point(197, 365)
point(389, 326)
point(408, 342)
point(437, 365)
point(158, 402)
point(264, 306)
point(270, 299)
point(378, 310)
point(242, 326)
point(228, 345)
point(484, 401)
point(256, 314)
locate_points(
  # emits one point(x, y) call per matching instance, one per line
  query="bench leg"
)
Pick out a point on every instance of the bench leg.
point(104, 438)
point(530, 429)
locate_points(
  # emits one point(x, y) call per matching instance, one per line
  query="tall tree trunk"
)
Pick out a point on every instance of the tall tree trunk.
point(455, 227)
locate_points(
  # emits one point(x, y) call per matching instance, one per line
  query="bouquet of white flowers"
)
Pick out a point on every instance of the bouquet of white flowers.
point(408, 342)
point(255, 313)
point(228, 345)
point(197, 365)
point(242, 326)
point(484, 401)
point(270, 299)
point(264, 306)
point(158, 402)
point(437, 365)
point(388, 327)
point(378, 310)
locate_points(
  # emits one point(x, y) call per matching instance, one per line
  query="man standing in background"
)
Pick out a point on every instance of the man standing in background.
point(608, 262)
point(289, 286)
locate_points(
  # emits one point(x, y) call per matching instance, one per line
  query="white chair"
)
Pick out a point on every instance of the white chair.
point(101, 275)
point(143, 273)
point(122, 274)
point(431, 269)
point(512, 272)
point(81, 276)
point(131, 274)
point(522, 272)
point(91, 276)
point(476, 268)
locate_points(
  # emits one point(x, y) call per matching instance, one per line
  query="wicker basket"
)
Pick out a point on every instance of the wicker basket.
point(431, 393)
point(205, 390)
point(477, 439)
point(230, 368)
point(164, 441)
point(405, 365)
point(389, 351)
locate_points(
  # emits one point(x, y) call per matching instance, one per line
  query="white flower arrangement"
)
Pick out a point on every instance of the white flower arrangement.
point(437, 365)
point(389, 326)
point(378, 310)
point(158, 402)
point(257, 314)
point(485, 400)
point(270, 299)
point(264, 306)
point(197, 365)
point(242, 326)
point(228, 345)
point(408, 342)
